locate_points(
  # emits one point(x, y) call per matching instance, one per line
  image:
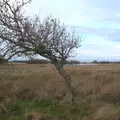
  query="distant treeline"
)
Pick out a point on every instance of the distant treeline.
point(104, 62)
point(2, 59)
point(43, 61)
point(47, 62)
point(73, 62)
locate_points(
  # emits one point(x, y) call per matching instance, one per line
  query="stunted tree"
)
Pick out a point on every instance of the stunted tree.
point(12, 27)
point(22, 35)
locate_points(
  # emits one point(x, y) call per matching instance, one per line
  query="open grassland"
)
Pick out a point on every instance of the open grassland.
point(37, 92)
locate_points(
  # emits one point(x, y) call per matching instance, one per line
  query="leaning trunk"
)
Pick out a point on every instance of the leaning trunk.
point(67, 79)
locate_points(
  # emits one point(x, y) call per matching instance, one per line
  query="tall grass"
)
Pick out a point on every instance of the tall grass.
point(38, 90)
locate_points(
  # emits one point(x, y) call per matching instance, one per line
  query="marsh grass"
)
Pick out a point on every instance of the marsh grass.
point(39, 90)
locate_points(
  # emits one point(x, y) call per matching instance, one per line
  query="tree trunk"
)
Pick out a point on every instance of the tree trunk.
point(67, 79)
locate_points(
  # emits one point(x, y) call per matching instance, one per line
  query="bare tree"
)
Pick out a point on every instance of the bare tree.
point(22, 35)
point(12, 27)
point(57, 46)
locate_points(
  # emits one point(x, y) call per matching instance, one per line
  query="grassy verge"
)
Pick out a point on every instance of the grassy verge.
point(18, 110)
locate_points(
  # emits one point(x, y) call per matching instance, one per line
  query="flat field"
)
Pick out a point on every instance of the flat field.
point(37, 91)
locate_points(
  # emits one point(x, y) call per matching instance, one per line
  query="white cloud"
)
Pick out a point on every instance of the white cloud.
point(97, 18)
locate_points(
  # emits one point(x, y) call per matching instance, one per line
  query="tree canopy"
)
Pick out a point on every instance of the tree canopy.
point(22, 35)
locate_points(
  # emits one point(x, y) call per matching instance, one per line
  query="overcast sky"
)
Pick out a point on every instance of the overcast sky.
point(97, 20)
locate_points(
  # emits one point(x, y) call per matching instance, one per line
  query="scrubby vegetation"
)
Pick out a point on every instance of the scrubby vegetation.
point(3, 60)
point(37, 92)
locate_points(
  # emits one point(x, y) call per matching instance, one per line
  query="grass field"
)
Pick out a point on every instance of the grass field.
point(37, 92)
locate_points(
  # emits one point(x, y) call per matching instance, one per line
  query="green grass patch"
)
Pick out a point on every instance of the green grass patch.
point(18, 109)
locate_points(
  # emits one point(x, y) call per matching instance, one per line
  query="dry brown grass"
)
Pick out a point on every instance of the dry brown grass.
point(98, 85)
point(41, 80)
